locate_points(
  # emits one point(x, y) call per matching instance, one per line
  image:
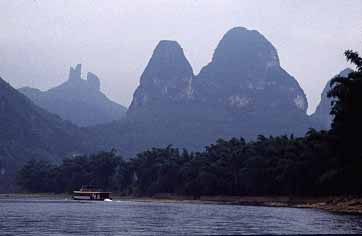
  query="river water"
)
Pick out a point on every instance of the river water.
point(67, 217)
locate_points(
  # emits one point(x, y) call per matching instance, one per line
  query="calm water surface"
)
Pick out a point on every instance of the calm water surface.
point(57, 217)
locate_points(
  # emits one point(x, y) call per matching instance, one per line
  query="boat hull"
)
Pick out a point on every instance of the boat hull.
point(91, 195)
point(82, 198)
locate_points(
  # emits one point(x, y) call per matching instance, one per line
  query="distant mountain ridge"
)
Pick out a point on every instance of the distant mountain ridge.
point(28, 132)
point(77, 100)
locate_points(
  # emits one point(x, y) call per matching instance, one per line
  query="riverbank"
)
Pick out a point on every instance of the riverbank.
point(351, 205)
point(60, 196)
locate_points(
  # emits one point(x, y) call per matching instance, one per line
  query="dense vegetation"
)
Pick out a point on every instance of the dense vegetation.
point(320, 163)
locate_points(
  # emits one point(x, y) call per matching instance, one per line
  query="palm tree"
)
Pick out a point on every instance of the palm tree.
point(347, 107)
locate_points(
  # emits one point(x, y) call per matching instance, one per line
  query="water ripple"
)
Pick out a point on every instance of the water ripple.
point(54, 217)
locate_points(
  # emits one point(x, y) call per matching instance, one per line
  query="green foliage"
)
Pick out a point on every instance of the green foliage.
point(96, 170)
point(268, 166)
point(37, 176)
point(347, 112)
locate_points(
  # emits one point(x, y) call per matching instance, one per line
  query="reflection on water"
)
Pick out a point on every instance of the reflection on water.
point(45, 217)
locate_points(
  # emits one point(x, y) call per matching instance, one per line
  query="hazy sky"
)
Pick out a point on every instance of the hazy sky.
point(40, 39)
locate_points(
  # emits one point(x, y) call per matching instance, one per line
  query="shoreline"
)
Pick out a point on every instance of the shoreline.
point(349, 205)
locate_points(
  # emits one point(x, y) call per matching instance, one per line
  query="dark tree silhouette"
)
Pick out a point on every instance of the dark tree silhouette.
point(347, 108)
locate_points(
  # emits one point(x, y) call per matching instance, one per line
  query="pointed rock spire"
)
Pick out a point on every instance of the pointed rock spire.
point(75, 73)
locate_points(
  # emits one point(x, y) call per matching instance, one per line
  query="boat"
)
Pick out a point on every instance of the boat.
point(86, 193)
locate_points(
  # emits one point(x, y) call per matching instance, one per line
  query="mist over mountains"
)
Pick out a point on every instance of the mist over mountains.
point(77, 100)
point(242, 92)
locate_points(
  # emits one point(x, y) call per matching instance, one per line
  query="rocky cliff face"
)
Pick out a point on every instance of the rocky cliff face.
point(28, 131)
point(245, 74)
point(243, 91)
point(322, 115)
point(167, 78)
point(77, 100)
point(245, 82)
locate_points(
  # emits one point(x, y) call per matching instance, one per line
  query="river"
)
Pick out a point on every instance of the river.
point(67, 217)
